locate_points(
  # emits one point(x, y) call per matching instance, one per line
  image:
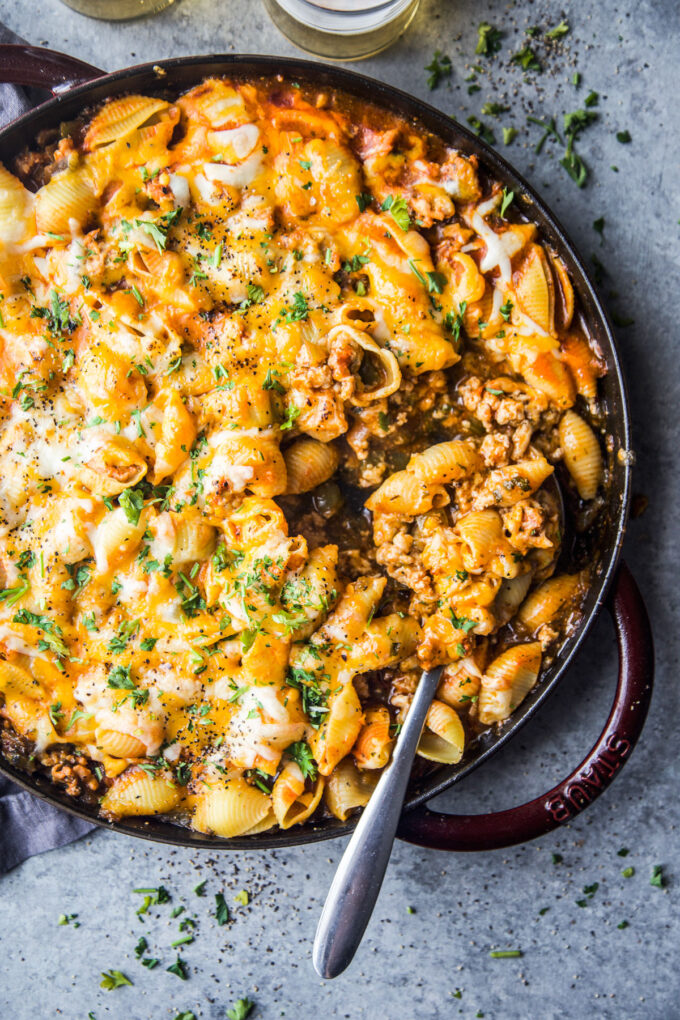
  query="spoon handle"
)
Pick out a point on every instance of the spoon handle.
point(357, 882)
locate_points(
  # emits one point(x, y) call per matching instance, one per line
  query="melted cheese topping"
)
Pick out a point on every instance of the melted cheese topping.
point(202, 299)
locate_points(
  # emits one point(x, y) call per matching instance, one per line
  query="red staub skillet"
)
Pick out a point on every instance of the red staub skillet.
point(75, 85)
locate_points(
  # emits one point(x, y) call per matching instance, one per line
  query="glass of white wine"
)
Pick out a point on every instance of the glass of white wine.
point(342, 29)
point(117, 10)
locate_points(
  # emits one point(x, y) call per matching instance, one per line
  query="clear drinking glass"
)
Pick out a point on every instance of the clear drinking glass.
point(342, 29)
point(117, 10)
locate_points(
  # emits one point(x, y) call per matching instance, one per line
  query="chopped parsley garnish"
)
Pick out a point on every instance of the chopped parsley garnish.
point(508, 197)
point(439, 67)
point(454, 323)
point(624, 137)
point(314, 698)
point(527, 59)
point(506, 309)
point(462, 622)
point(436, 283)
point(132, 502)
point(126, 632)
point(364, 199)
point(158, 229)
point(241, 1009)
point(558, 31)
point(481, 130)
point(488, 40)
point(119, 679)
point(295, 312)
point(270, 383)
point(200, 888)
point(12, 595)
point(52, 632)
point(179, 968)
point(243, 896)
point(301, 753)
point(292, 415)
point(113, 979)
point(549, 131)
point(657, 879)
point(221, 909)
point(494, 109)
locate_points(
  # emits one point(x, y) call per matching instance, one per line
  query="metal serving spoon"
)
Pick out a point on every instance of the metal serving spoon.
point(357, 882)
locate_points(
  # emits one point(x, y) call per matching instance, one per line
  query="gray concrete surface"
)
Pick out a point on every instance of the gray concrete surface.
point(577, 962)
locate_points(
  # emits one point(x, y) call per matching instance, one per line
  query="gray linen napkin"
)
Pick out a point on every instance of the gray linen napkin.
point(28, 826)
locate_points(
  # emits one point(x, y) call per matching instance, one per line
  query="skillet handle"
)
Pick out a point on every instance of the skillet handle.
point(43, 69)
point(440, 831)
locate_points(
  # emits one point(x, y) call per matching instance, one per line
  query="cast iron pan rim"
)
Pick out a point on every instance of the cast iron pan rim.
point(452, 132)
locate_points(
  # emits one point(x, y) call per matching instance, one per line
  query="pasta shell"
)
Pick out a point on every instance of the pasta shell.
point(231, 811)
point(293, 804)
point(443, 738)
point(116, 538)
point(120, 745)
point(508, 485)
point(135, 792)
point(405, 493)
point(549, 375)
point(582, 454)
point(535, 289)
point(120, 117)
point(555, 597)
point(445, 462)
point(564, 311)
point(349, 618)
point(583, 365)
point(373, 745)
point(116, 465)
point(507, 681)
point(308, 464)
point(334, 739)
point(348, 788)
point(69, 195)
point(467, 283)
point(15, 680)
point(460, 683)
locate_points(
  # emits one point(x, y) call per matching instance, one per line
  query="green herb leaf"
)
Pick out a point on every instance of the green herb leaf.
point(241, 1009)
point(364, 199)
point(527, 59)
point(242, 897)
point(505, 954)
point(113, 979)
point(508, 197)
point(488, 40)
point(623, 137)
point(439, 67)
point(200, 888)
point(221, 909)
point(400, 214)
point(179, 968)
point(132, 502)
point(301, 753)
point(509, 135)
point(657, 878)
point(558, 31)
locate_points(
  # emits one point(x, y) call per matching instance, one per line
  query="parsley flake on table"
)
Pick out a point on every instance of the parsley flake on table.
point(221, 909)
point(488, 40)
point(558, 31)
point(527, 59)
point(241, 1009)
point(200, 888)
point(113, 979)
point(623, 137)
point(439, 67)
point(657, 878)
point(242, 897)
point(179, 968)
